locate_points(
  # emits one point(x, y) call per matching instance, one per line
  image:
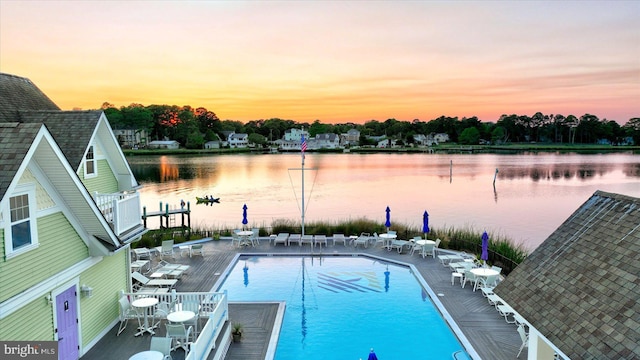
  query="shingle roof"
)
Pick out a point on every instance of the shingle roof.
point(581, 287)
point(72, 130)
point(18, 93)
point(15, 141)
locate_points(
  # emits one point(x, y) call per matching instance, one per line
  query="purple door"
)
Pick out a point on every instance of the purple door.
point(67, 324)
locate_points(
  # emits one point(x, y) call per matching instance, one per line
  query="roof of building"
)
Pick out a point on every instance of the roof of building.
point(15, 141)
point(581, 287)
point(18, 93)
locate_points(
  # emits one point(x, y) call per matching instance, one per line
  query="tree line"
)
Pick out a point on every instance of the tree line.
point(192, 127)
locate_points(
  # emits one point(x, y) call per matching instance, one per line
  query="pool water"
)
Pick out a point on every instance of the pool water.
point(340, 307)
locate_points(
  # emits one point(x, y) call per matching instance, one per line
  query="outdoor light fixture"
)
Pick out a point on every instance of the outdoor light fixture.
point(86, 291)
point(49, 299)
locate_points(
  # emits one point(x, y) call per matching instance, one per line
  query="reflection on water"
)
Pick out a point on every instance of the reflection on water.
point(531, 196)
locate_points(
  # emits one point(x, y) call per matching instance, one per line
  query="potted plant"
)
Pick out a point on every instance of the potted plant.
point(236, 331)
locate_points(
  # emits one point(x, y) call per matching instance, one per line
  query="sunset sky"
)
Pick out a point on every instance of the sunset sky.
point(335, 61)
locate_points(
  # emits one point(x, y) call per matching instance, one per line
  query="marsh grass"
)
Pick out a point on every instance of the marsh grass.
point(503, 251)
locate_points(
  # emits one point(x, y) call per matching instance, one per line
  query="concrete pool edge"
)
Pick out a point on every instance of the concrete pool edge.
point(466, 344)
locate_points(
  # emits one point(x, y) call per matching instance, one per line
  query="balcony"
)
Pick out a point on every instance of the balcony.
point(122, 212)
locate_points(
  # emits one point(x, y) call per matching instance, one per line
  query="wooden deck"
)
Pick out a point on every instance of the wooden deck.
point(486, 331)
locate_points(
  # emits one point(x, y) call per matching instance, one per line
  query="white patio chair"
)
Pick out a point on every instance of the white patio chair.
point(339, 238)
point(319, 240)
point(281, 238)
point(436, 247)
point(126, 312)
point(180, 335)
point(295, 238)
point(167, 249)
point(469, 277)
point(363, 240)
point(163, 345)
point(197, 249)
point(306, 239)
point(255, 238)
point(236, 239)
point(524, 337)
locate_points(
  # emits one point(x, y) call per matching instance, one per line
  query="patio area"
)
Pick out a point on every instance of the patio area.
point(484, 328)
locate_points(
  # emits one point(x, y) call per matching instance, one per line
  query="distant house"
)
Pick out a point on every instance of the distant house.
point(164, 144)
point(325, 141)
point(441, 138)
point(352, 137)
point(238, 140)
point(131, 138)
point(69, 208)
point(579, 291)
point(295, 135)
point(214, 144)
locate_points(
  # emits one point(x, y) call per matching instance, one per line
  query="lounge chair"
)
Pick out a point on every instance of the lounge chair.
point(281, 238)
point(295, 238)
point(306, 239)
point(163, 345)
point(319, 240)
point(339, 238)
point(363, 240)
point(506, 311)
point(142, 253)
point(126, 312)
point(145, 281)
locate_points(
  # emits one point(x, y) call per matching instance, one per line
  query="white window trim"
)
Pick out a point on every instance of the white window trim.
point(94, 161)
point(30, 191)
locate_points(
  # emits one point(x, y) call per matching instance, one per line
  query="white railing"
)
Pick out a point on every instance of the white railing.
point(212, 305)
point(122, 210)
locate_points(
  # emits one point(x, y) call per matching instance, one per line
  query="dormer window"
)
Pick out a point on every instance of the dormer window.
point(90, 163)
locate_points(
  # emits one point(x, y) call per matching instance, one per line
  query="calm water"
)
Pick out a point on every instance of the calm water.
point(338, 308)
point(533, 194)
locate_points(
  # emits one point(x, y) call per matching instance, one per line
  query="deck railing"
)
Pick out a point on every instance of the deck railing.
point(212, 306)
point(121, 210)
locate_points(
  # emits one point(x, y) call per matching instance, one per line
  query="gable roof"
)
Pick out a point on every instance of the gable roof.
point(15, 141)
point(18, 93)
point(581, 287)
point(72, 130)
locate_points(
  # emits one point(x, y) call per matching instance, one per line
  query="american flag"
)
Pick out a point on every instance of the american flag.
point(303, 145)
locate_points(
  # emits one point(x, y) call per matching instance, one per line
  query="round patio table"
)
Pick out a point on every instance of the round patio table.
point(147, 355)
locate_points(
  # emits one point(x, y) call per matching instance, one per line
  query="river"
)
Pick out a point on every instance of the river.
point(531, 196)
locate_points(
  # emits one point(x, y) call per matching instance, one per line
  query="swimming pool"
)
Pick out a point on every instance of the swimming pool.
point(340, 307)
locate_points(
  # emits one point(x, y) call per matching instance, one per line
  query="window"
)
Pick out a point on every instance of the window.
point(20, 221)
point(90, 163)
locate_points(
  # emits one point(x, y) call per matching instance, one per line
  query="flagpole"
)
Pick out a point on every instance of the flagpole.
point(302, 148)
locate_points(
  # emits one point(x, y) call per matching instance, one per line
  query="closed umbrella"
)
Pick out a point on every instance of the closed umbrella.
point(372, 355)
point(386, 279)
point(485, 247)
point(387, 223)
point(425, 223)
point(244, 215)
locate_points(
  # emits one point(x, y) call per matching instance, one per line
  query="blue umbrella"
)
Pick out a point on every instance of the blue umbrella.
point(244, 215)
point(387, 224)
point(485, 246)
point(246, 274)
point(386, 280)
point(425, 223)
point(372, 355)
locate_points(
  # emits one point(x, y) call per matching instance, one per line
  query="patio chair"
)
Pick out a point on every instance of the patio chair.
point(306, 239)
point(427, 250)
point(524, 337)
point(255, 238)
point(161, 311)
point(488, 281)
point(418, 247)
point(126, 312)
point(142, 253)
point(163, 345)
point(236, 239)
point(180, 336)
point(469, 277)
point(295, 238)
point(319, 240)
point(197, 249)
point(436, 247)
point(339, 238)
point(167, 249)
point(377, 239)
point(281, 238)
point(363, 240)
point(145, 281)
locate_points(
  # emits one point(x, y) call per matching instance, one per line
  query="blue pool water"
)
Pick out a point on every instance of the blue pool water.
point(340, 307)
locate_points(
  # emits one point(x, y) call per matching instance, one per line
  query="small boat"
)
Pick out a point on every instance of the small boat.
point(204, 200)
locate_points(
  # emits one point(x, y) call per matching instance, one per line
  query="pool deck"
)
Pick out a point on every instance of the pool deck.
point(487, 332)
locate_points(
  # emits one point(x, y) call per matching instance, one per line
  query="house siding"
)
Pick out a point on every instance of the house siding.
point(32, 322)
point(104, 183)
point(107, 278)
point(59, 247)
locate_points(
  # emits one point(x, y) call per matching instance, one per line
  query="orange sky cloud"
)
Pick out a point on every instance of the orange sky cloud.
point(333, 61)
